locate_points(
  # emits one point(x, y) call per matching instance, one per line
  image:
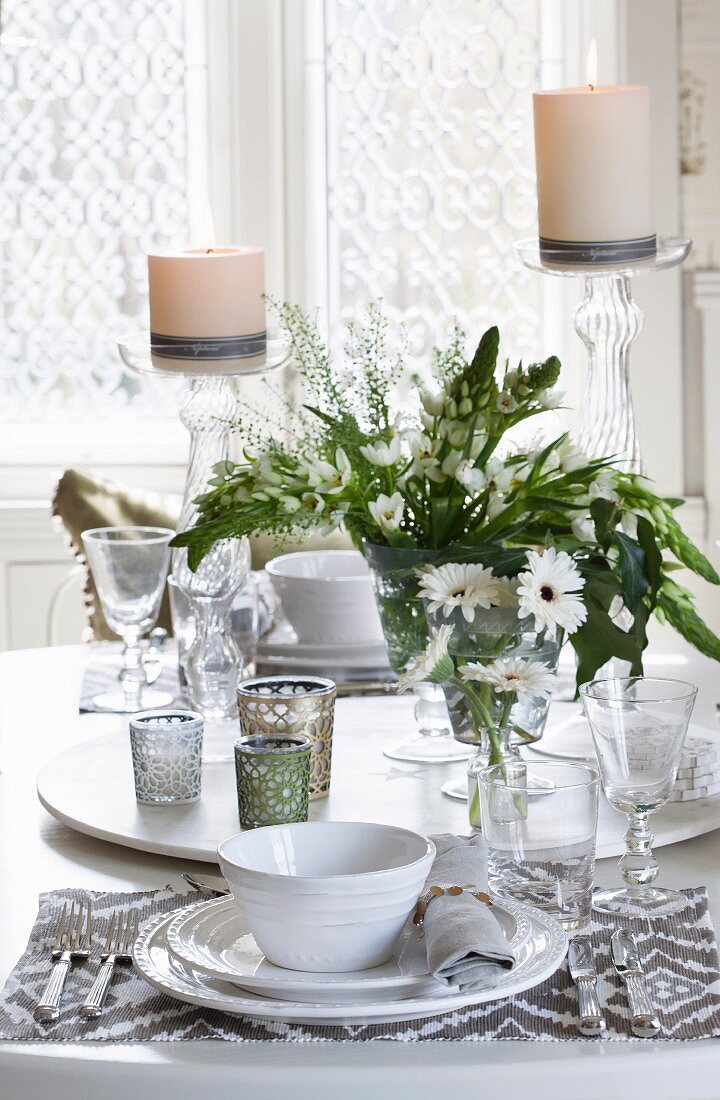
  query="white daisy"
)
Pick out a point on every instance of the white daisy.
point(435, 664)
point(387, 511)
point(548, 590)
point(382, 454)
point(464, 585)
point(512, 675)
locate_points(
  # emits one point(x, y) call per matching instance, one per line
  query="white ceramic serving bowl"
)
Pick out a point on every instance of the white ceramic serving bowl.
point(327, 896)
point(327, 595)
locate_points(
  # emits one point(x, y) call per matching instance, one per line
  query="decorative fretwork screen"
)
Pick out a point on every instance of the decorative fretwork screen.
point(430, 163)
point(92, 171)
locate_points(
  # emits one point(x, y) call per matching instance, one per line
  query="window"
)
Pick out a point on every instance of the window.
point(430, 174)
point(93, 163)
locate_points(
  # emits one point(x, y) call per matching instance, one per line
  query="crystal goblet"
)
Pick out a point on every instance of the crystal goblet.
point(638, 725)
point(129, 566)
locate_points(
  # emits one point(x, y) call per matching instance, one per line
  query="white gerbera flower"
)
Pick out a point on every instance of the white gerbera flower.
point(387, 511)
point(435, 664)
point(505, 402)
point(464, 585)
point(512, 675)
point(382, 454)
point(507, 592)
point(548, 590)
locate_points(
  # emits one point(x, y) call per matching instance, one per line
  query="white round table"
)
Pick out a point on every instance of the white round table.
point(39, 693)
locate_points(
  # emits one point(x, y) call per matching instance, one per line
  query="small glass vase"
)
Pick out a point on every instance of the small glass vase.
point(405, 628)
point(480, 716)
point(499, 750)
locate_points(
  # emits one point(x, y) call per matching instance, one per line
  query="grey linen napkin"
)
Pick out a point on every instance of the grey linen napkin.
point(465, 945)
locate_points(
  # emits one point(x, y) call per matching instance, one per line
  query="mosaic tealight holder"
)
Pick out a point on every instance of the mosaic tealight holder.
point(288, 705)
point(272, 776)
point(166, 750)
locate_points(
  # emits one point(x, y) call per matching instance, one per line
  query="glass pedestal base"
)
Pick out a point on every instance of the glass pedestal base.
point(428, 748)
point(115, 701)
point(646, 902)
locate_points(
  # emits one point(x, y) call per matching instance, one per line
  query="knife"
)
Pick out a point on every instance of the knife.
point(584, 974)
point(626, 960)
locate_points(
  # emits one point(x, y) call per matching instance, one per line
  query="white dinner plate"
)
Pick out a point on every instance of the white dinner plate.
point(572, 740)
point(537, 959)
point(213, 937)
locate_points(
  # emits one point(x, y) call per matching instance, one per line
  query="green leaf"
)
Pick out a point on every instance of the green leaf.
point(632, 570)
point(599, 639)
point(603, 515)
point(653, 556)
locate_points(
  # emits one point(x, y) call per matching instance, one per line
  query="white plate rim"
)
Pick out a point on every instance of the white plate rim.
point(264, 985)
point(229, 1000)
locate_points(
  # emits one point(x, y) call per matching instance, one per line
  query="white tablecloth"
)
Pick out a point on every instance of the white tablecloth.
point(39, 691)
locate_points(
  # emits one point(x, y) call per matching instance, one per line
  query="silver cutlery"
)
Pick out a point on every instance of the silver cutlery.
point(121, 936)
point(584, 974)
point(73, 941)
point(626, 960)
point(210, 886)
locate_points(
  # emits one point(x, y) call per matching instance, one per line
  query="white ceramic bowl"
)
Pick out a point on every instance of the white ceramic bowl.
point(326, 896)
point(327, 595)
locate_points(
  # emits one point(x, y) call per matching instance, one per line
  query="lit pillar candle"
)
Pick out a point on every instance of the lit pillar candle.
point(594, 172)
point(207, 309)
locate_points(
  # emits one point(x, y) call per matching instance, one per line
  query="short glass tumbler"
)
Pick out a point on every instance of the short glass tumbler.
point(273, 779)
point(166, 748)
point(638, 725)
point(286, 705)
point(540, 823)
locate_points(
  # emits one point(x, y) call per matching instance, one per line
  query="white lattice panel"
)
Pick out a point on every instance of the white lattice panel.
point(92, 171)
point(430, 163)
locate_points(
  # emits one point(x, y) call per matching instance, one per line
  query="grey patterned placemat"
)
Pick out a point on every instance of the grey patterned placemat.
point(680, 955)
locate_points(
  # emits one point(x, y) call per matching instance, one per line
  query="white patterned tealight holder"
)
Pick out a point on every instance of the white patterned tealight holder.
point(166, 748)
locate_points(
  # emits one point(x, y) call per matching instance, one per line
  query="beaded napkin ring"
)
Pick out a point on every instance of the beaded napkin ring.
point(449, 891)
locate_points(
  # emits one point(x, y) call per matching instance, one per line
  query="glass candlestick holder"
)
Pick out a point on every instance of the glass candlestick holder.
point(607, 321)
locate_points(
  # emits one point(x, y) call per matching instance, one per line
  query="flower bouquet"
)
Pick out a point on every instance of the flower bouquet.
point(433, 474)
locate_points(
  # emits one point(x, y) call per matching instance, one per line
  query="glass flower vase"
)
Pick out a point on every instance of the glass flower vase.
point(481, 716)
point(405, 628)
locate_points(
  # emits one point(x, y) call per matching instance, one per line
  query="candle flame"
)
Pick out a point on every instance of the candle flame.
point(207, 229)
point(592, 64)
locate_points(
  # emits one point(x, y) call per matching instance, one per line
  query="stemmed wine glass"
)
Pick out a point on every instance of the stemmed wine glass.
point(638, 725)
point(129, 566)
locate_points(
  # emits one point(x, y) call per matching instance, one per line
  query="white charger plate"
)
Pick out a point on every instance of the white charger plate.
point(212, 937)
point(538, 958)
point(571, 739)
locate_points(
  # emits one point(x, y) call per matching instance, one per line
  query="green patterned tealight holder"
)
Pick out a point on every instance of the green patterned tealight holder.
point(273, 779)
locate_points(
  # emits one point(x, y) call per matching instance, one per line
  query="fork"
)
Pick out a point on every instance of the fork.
point(121, 936)
point(73, 941)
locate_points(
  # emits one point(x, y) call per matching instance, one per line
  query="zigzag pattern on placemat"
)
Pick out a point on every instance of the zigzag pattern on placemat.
point(680, 954)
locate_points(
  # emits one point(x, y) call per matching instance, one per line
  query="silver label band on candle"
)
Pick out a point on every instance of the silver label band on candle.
point(205, 347)
point(597, 252)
